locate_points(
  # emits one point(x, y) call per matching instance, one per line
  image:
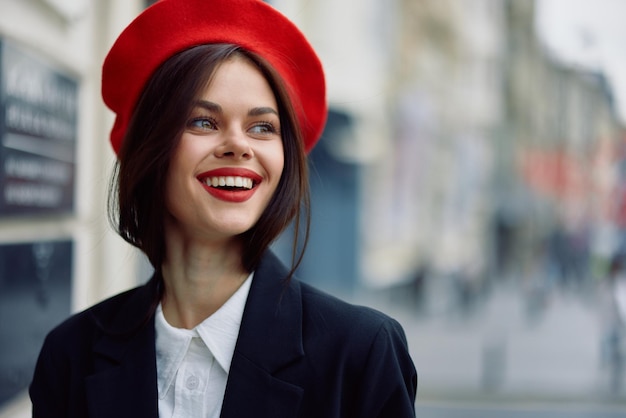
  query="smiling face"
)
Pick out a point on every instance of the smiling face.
point(230, 157)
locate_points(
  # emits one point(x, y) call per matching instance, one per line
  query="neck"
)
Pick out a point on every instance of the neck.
point(199, 278)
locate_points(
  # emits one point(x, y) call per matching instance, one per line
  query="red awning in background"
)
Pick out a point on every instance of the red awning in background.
point(554, 173)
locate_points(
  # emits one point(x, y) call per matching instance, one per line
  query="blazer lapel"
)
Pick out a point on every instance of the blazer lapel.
point(124, 380)
point(270, 339)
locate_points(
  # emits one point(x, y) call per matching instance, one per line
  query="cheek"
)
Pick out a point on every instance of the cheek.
point(280, 166)
point(279, 160)
point(174, 181)
point(184, 158)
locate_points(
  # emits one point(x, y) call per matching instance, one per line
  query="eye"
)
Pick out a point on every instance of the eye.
point(264, 128)
point(202, 124)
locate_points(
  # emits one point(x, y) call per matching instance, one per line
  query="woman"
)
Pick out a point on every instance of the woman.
point(217, 102)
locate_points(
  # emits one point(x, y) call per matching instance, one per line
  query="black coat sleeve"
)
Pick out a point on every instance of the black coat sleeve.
point(389, 381)
point(51, 384)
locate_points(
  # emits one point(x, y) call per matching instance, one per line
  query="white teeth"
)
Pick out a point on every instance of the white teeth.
point(230, 181)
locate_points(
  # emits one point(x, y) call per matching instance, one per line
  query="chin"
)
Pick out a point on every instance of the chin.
point(236, 229)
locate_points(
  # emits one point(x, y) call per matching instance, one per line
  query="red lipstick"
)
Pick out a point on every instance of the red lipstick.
point(230, 184)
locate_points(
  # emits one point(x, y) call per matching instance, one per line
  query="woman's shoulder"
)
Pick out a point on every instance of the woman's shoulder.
point(342, 318)
point(84, 324)
point(323, 311)
point(364, 346)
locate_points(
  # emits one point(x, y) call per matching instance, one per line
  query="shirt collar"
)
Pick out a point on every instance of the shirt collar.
point(218, 332)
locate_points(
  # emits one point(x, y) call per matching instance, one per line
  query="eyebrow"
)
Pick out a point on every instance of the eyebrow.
point(214, 107)
point(260, 111)
point(207, 105)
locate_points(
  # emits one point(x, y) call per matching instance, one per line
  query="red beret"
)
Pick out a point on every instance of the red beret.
point(170, 26)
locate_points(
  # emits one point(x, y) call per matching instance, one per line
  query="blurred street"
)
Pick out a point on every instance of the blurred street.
point(511, 353)
point(517, 411)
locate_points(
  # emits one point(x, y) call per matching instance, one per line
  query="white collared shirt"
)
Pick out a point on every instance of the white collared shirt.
point(193, 364)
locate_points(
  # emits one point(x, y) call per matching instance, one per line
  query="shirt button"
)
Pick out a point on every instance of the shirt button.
point(192, 382)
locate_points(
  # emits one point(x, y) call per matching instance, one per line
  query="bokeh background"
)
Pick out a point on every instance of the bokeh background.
point(470, 182)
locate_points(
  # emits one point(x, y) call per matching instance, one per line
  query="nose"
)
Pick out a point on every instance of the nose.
point(236, 145)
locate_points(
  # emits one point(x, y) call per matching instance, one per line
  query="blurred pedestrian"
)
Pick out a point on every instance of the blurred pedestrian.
point(216, 104)
point(613, 307)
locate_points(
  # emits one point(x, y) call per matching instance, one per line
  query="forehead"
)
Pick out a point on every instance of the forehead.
point(238, 76)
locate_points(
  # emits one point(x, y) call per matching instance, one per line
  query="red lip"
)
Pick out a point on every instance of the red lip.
point(235, 196)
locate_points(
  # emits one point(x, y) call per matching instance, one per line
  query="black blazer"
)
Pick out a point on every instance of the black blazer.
point(300, 353)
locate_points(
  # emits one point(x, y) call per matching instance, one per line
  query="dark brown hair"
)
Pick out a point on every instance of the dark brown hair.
point(137, 196)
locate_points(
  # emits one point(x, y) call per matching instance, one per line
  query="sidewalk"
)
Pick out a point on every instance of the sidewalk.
point(500, 352)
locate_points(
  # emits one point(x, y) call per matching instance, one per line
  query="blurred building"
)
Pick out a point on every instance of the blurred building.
point(464, 149)
point(419, 87)
point(57, 252)
point(353, 40)
point(556, 158)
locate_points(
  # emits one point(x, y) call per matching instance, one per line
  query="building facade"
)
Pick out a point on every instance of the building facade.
point(57, 252)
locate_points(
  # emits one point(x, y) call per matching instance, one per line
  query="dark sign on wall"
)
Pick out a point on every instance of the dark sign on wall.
point(38, 119)
point(35, 295)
